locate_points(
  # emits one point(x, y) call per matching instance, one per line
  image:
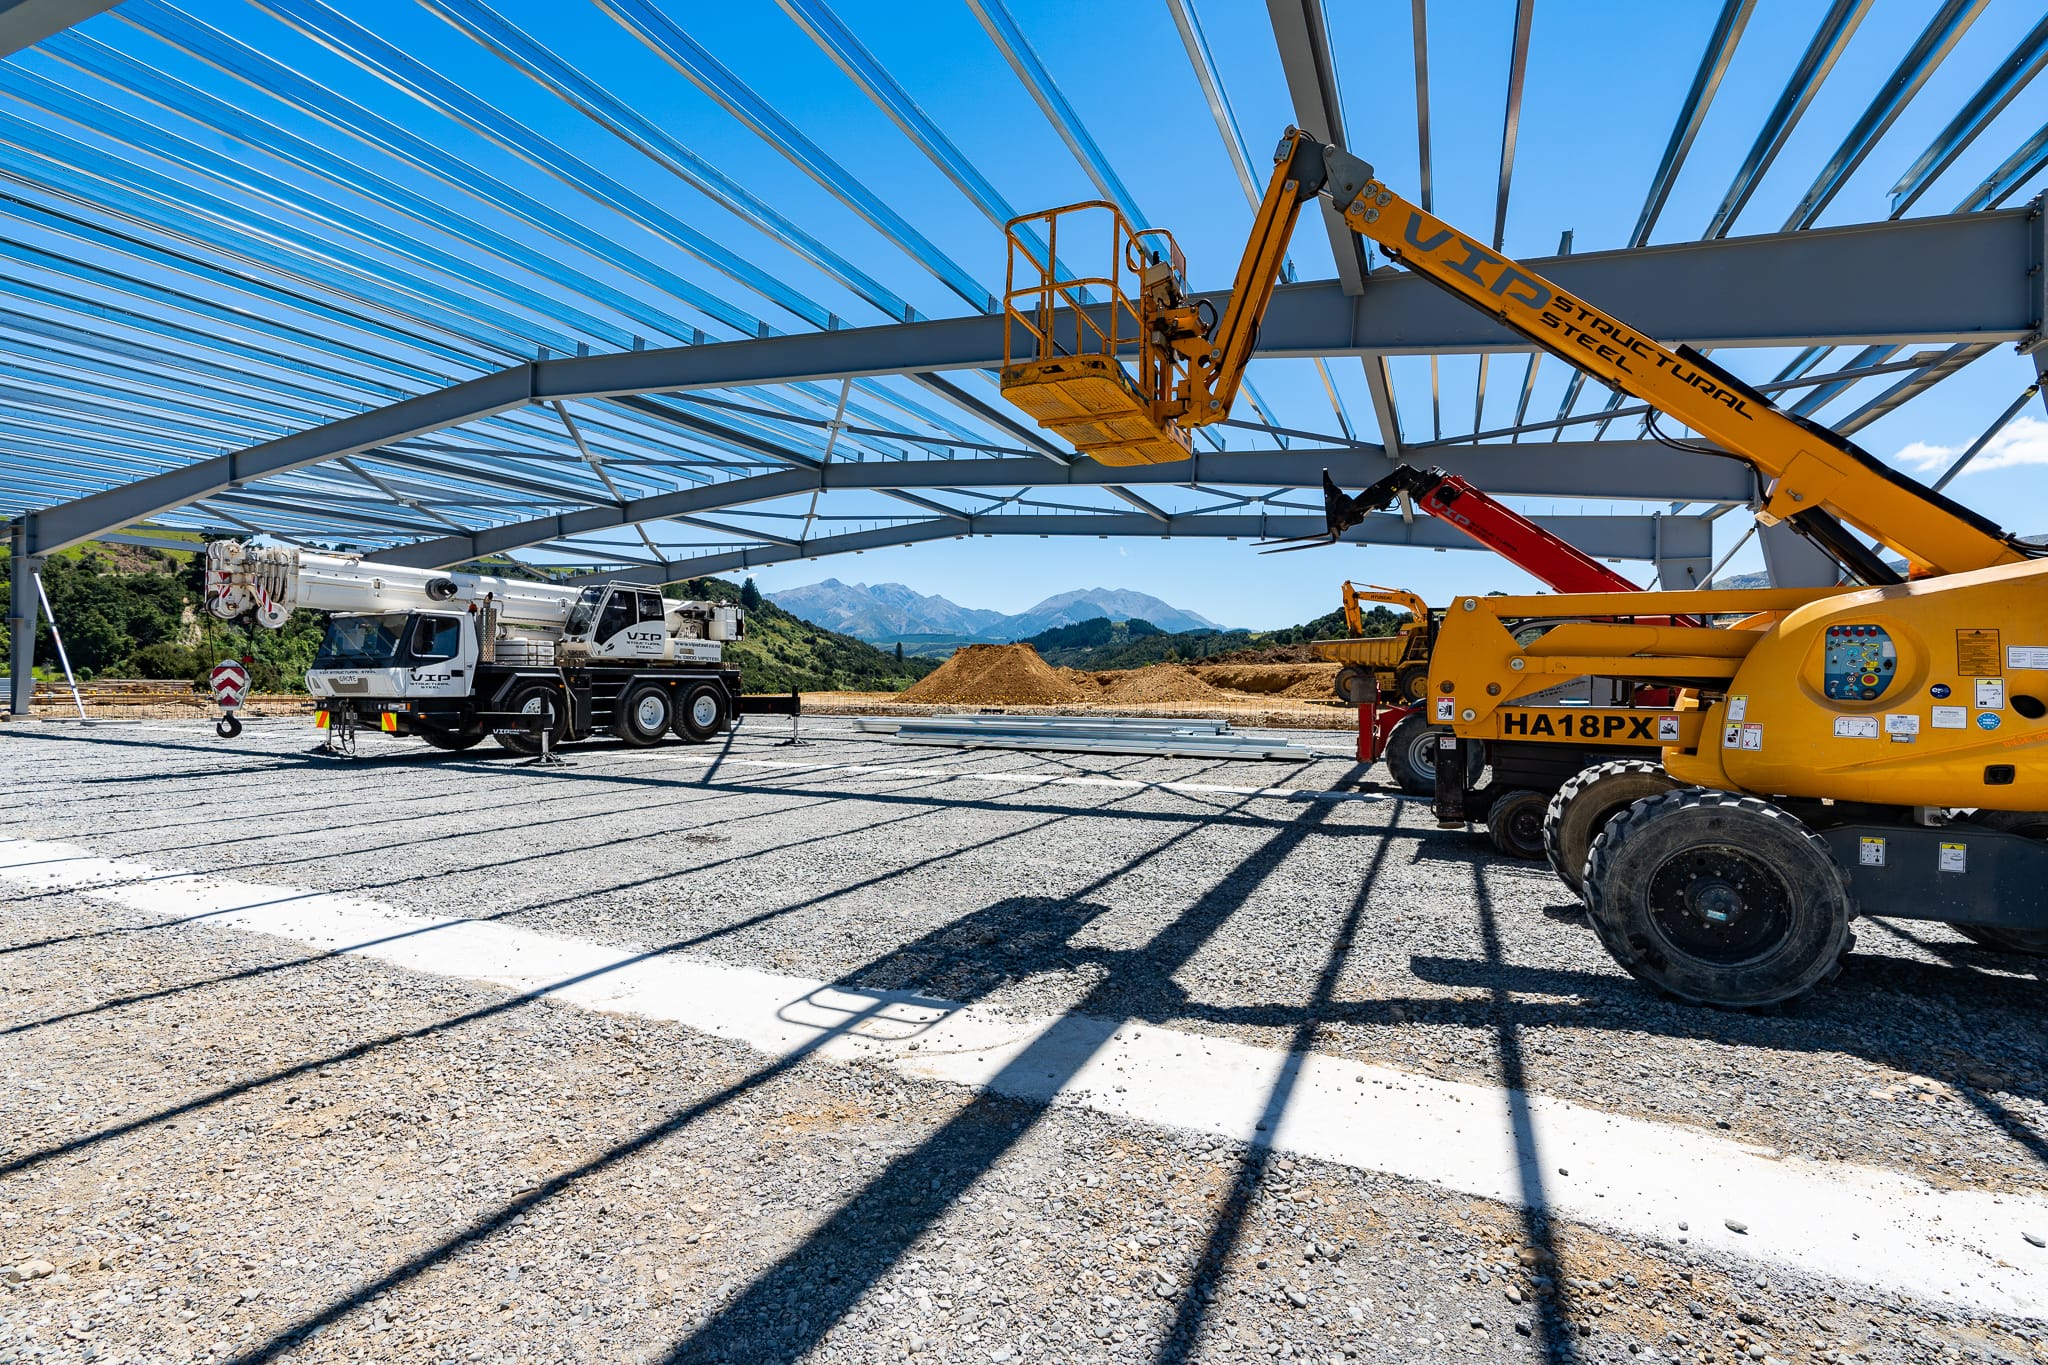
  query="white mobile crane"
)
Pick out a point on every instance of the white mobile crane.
point(452, 657)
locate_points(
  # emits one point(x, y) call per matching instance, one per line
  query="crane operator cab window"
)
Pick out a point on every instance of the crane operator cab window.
point(436, 638)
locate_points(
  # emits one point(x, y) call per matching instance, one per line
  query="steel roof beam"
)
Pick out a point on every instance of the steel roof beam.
point(1649, 538)
point(1951, 279)
point(24, 23)
point(1608, 470)
point(1303, 36)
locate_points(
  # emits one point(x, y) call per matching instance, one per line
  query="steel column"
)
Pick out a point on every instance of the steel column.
point(23, 614)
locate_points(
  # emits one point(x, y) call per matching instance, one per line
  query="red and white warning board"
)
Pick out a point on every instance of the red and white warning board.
point(230, 683)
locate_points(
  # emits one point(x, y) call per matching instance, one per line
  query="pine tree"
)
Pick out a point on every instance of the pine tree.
point(750, 596)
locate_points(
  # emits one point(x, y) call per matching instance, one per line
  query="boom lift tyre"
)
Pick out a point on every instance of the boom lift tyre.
point(1585, 803)
point(2032, 942)
point(703, 714)
point(1514, 822)
point(1411, 755)
point(533, 699)
point(644, 715)
point(1718, 899)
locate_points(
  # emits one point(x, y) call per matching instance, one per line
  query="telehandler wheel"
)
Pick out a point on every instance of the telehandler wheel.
point(703, 713)
point(1718, 899)
point(1514, 822)
point(529, 699)
point(453, 740)
point(644, 715)
point(1411, 684)
point(1411, 755)
point(1583, 806)
point(2033, 942)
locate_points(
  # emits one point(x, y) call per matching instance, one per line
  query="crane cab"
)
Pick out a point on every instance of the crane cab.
point(397, 654)
point(617, 622)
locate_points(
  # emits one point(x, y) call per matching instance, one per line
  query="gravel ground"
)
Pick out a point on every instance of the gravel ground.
point(216, 1147)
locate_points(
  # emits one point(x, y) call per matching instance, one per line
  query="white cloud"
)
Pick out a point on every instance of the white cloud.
point(2024, 441)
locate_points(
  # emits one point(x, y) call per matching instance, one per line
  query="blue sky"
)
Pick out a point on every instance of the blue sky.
point(1604, 83)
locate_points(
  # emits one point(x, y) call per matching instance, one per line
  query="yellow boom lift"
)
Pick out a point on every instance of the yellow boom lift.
point(1872, 750)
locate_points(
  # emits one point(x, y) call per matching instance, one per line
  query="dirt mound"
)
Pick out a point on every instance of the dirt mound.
point(993, 675)
point(1277, 654)
point(1158, 683)
point(1271, 679)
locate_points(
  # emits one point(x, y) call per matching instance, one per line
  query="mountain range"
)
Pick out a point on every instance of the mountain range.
point(885, 612)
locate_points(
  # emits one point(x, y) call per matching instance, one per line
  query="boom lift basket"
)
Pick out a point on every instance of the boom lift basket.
point(1067, 337)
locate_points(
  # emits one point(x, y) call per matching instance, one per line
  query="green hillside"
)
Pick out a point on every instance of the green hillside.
point(782, 651)
point(135, 612)
point(1103, 644)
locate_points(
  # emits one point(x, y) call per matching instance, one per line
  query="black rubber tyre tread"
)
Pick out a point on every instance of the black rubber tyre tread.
point(2031, 942)
point(1514, 823)
point(1342, 683)
point(1569, 827)
point(1410, 776)
point(526, 745)
point(625, 724)
point(453, 740)
point(1637, 842)
point(1411, 684)
point(687, 728)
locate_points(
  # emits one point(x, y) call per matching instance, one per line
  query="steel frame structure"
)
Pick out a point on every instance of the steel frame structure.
point(420, 353)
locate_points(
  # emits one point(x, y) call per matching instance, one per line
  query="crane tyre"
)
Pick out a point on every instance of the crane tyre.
point(644, 715)
point(1411, 684)
point(1411, 755)
point(1514, 822)
point(1718, 899)
point(704, 714)
point(1586, 802)
point(453, 740)
point(2032, 942)
point(227, 727)
point(528, 699)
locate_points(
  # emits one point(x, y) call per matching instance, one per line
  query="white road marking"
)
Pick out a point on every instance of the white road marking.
point(1631, 1176)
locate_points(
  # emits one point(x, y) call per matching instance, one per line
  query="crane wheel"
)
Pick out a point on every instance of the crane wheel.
point(1514, 822)
point(705, 713)
point(1583, 806)
point(1411, 684)
point(1411, 755)
point(529, 700)
point(1718, 899)
point(2032, 942)
point(644, 715)
point(453, 740)
point(227, 727)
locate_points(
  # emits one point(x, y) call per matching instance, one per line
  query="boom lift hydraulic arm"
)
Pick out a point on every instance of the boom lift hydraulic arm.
point(1818, 482)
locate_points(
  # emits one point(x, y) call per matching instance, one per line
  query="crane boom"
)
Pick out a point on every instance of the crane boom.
point(275, 580)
